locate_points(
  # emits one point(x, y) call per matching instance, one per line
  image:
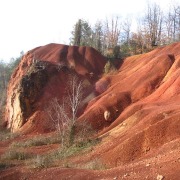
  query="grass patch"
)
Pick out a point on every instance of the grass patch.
point(4, 165)
point(37, 141)
point(13, 154)
point(74, 149)
point(50, 159)
point(96, 164)
point(6, 134)
point(40, 162)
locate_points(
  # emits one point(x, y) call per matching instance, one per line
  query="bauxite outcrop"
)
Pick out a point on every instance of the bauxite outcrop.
point(142, 100)
point(42, 75)
point(136, 111)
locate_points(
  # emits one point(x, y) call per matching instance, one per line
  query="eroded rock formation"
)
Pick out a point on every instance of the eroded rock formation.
point(143, 100)
point(136, 110)
point(42, 75)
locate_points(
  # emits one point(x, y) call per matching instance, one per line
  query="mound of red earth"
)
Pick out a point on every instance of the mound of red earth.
point(41, 76)
point(136, 111)
point(142, 101)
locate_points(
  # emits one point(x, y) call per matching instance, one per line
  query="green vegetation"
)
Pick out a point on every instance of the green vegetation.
point(5, 165)
point(52, 159)
point(40, 162)
point(82, 143)
point(5, 134)
point(95, 164)
point(37, 141)
point(64, 113)
point(6, 70)
point(15, 154)
point(63, 153)
point(109, 68)
point(114, 38)
point(73, 139)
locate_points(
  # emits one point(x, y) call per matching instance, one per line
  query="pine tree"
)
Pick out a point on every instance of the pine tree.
point(78, 33)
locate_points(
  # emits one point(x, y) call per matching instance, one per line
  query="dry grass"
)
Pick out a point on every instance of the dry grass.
point(15, 154)
point(5, 165)
point(95, 164)
point(6, 134)
point(17, 151)
point(40, 162)
point(52, 159)
point(37, 141)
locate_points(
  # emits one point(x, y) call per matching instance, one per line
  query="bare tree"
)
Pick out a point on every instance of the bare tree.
point(153, 24)
point(139, 39)
point(172, 24)
point(112, 32)
point(126, 26)
point(56, 113)
point(169, 27)
point(64, 115)
point(176, 23)
point(74, 97)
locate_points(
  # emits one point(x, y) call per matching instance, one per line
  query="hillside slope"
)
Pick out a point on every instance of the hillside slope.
point(143, 102)
point(136, 112)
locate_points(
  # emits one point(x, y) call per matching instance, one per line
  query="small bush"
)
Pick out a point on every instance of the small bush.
point(4, 165)
point(6, 134)
point(74, 149)
point(84, 131)
point(110, 68)
point(41, 162)
point(13, 154)
point(95, 165)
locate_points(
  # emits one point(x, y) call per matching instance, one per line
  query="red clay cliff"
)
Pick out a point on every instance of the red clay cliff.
point(41, 76)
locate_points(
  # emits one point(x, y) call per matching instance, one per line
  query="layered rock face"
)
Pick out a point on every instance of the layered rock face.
point(42, 75)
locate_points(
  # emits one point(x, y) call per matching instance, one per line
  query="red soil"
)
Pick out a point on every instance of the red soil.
point(141, 139)
point(41, 76)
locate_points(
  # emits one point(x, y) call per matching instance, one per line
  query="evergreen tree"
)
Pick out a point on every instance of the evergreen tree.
point(82, 34)
point(77, 33)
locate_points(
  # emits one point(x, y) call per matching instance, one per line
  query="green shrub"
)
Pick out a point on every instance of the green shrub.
point(4, 165)
point(5, 134)
point(109, 68)
point(13, 154)
point(41, 162)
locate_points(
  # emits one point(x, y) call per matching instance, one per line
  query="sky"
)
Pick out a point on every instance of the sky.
point(26, 24)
